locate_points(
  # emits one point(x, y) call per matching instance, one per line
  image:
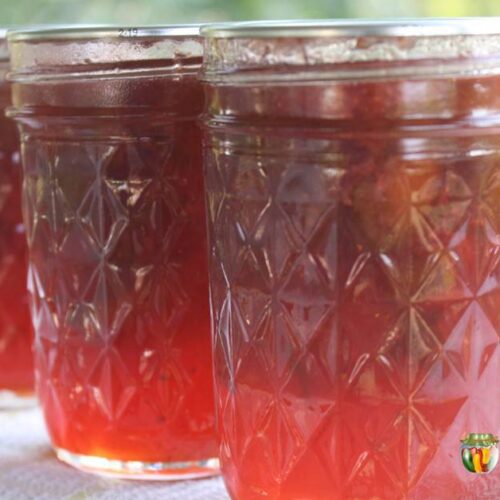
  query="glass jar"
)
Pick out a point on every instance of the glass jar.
point(353, 178)
point(16, 359)
point(114, 207)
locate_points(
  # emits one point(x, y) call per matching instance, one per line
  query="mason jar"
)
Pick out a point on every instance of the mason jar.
point(16, 359)
point(353, 178)
point(115, 215)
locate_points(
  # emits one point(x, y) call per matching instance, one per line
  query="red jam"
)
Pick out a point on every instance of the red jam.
point(16, 359)
point(355, 250)
point(114, 196)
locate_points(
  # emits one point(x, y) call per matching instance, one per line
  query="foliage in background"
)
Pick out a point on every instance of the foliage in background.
point(136, 12)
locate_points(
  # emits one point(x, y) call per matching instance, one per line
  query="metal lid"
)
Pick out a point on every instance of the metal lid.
point(102, 31)
point(355, 28)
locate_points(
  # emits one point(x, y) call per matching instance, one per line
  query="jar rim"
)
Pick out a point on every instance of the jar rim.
point(395, 27)
point(74, 52)
point(86, 32)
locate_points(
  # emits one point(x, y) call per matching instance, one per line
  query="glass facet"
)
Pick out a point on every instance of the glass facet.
point(354, 262)
point(114, 206)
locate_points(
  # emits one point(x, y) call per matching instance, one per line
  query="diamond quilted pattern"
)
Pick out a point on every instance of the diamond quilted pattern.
point(112, 386)
point(115, 227)
point(356, 315)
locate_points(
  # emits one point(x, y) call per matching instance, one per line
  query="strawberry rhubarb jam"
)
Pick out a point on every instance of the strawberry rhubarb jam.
point(115, 214)
point(353, 177)
point(16, 359)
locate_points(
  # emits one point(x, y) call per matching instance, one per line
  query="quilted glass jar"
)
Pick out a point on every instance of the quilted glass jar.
point(353, 177)
point(16, 360)
point(115, 215)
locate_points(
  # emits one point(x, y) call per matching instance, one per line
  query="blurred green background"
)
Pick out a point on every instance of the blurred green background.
point(135, 12)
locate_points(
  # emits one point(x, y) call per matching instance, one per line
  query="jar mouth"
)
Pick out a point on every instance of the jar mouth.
point(89, 32)
point(403, 27)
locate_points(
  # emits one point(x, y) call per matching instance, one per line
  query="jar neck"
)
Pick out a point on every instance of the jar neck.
point(366, 104)
point(180, 96)
point(4, 70)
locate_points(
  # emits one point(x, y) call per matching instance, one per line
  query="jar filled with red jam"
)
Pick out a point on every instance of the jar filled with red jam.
point(16, 360)
point(115, 215)
point(353, 177)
